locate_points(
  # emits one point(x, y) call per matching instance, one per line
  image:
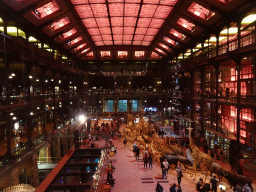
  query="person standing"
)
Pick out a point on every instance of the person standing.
point(179, 189)
point(134, 148)
point(125, 142)
point(179, 174)
point(165, 167)
point(110, 179)
point(214, 183)
point(150, 161)
point(137, 153)
point(145, 159)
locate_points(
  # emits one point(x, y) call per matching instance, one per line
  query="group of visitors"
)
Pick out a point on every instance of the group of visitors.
point(147, 159)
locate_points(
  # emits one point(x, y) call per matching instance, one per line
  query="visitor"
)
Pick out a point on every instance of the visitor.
point(173, 188)
point(134, 148)
point(247, 188)
point(145, 159)
point(179, 174)
point(214, 183)
point(164, 169)
point(159, 188)
point(111, 167)
point(137, 153)
point(199, 185)
point(150, 161)
point(125, 142)
point(110, 179)
point(179, 189)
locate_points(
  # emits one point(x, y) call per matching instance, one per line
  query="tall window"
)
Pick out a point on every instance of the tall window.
point(134, 105)
point(110, 105)
point(122, 105)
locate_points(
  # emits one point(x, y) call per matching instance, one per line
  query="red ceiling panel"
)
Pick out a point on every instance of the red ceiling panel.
point(105, 31)
point(75, 41)
point(145, 43)
point(136, 42)
point(141, 31)
point(170, 41)
point(117, 21)
point(177, 34)
point(117, 30)
point(97, 1)
point(156, 23)
point(152, 31)
point(118, 37)
point(130, 21)
point(68, 33)
point(164, 46)
point(139, 54)
point(108, 42)
point(151, 1)
point(132, 1)
point(89, 54)
point(162, 12)
point(115, 1)
point(186, 24)
point(103, 22)
point(138, 37)
point(118, 42)
point(46, 10)
point(99, 10)
point(131, 10)
point(147, 10)
point(94, 31)
point(84, 51)
point(200, 11)
point(122, 54)
point(116, 9)
point(84, 11)
point(144, 22)
point(168, 2)
point(99, 43)
point(148, 38)
point(89, 23)
point(97, 38)
point(127, 42)
point(105, 53)
point(154, 55)
point(80, 46)
point(128, 30)
point(160, 51)
point(75, 2)
point(107, 37)
point(128, 37)
point(59, 24)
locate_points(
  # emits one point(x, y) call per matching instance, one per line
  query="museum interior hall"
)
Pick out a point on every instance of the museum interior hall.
point(86, 84)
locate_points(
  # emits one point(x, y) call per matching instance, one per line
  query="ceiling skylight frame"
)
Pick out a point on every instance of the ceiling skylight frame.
point(46, 10)
point(200, 11)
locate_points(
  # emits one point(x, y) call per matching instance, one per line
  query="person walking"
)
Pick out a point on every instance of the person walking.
point(137, 153)
point(125, 142)
point(150, 161)
point(179, 174)
point(145, 159)
point(214, 183)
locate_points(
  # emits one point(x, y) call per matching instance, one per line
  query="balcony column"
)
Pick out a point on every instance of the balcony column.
point(238, 69)
point(239, 34)
point(202, 111)
point(193, 95)
point(228, 26)
point(217, 73)
point(7, 62)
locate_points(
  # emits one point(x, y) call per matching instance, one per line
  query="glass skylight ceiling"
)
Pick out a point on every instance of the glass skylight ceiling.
point(123, 22)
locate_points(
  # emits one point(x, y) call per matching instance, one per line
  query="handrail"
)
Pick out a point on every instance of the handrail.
point(246, 40)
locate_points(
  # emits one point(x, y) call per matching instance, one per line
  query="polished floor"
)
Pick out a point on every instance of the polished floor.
point(130, 175)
